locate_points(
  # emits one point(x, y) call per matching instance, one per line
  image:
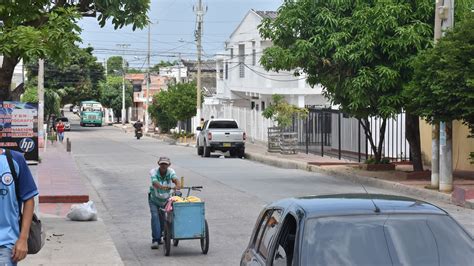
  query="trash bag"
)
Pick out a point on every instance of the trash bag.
point(83, 212)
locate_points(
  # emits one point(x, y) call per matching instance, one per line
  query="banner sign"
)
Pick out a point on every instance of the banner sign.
point(19, 128)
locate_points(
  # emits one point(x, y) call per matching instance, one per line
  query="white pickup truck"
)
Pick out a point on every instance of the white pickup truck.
point(221, 135)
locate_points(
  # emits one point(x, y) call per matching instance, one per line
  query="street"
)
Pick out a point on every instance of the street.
point(235, 190)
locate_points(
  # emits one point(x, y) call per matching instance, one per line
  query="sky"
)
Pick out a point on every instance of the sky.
point(172, 31)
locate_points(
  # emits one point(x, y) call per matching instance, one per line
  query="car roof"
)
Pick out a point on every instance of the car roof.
point(357, 204)
point(222, 119)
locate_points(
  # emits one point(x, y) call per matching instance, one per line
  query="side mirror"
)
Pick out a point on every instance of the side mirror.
point(198, 128)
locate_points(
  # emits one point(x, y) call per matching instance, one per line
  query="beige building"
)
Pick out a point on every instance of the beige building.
point(462, 146)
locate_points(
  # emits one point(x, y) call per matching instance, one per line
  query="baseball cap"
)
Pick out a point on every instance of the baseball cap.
point(164, 160)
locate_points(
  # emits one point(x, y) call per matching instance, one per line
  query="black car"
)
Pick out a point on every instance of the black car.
point(357, 229)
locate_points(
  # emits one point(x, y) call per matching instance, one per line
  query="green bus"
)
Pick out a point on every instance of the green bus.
point(91, 113)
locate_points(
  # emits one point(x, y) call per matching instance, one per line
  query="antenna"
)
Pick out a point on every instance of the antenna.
point(377, 209)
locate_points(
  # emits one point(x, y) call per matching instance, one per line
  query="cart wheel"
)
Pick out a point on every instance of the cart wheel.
point(175, 242)
point(205, 241)
point(167, 239)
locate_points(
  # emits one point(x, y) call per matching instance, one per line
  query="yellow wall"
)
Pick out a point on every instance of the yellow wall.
point(462, 145)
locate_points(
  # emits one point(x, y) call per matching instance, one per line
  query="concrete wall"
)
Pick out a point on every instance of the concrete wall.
point(462, 145)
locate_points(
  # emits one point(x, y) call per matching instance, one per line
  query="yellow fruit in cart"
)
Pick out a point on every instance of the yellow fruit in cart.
point(193, 199)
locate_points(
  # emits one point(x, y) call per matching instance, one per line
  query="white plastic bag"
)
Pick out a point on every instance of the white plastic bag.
point(83, 212)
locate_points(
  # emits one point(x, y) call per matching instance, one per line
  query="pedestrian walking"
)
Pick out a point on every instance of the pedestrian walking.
point(60, 129)
point(163, 179)
point(16, 194)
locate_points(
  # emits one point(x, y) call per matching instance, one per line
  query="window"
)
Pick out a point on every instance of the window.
point(223, 124)
point(269, 233)
point(285, 247)
point(386, 240)
point(263, 106)
point(254, 54)
point(226, 70)
point(242, 60)
point(252, 105)
point(231, 53)
point(261, 226)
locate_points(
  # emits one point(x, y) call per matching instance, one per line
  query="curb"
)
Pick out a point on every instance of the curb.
point(364, 180)
point(63, 198)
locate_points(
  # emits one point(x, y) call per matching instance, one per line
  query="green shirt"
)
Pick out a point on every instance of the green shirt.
point(160, 196)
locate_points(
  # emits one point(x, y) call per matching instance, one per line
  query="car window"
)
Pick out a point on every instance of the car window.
point(205, 125)
point(269, 233)
point(223, 124)
point(63, 119)
point(261, 227)
point(386, 240)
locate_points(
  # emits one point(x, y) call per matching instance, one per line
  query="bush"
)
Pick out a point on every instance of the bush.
point(384, 160)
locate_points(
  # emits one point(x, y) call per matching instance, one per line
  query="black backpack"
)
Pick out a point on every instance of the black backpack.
point(37, 236)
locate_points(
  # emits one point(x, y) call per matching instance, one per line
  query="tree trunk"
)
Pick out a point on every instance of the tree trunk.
point(377, 150)
point(6, 75)
point(412, 132)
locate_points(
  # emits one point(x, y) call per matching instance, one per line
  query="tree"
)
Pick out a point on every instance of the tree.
point(282, 112)
point(111, 94)
point(156, 68)
point(114, 65)
point(48, 29)
point(52, 104)
point(360, 51)
point(30, 95)
point(443, 85)
point(178, 103)
point(76, 80)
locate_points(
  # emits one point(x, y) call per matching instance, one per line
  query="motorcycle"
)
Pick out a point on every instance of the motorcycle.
point(138, 133)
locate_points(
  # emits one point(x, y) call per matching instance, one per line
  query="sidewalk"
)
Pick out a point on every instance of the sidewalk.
point(59, 179)
point(67, 242)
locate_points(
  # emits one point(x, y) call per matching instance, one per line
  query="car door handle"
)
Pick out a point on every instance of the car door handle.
point(227, 133)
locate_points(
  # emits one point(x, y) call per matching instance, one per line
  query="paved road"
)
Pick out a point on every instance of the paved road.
point(235, 191)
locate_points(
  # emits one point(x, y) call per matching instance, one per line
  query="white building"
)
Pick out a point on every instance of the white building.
point(245, 88)
point(242, 79)
point(178, 72)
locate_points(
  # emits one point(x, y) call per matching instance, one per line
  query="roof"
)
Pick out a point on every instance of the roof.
point(206, 65)
point(267, 14)
point(355, 204)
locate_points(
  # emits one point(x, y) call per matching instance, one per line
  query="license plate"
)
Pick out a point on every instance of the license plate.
point(227, 145)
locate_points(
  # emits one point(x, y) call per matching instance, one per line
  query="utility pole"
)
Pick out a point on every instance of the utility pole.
point(446, 15)
point(148, 79)
point(124, 112)
point(200, 18)
point(435, 126)
point(41, 101)
point(179, 69)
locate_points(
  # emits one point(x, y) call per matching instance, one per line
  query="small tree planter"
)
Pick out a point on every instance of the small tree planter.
point(379, 167)
point(288, 143)
point(274, 134)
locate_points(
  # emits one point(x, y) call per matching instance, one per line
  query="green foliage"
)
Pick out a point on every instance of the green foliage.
point(372, 160)
point(360, 51)
point(76, 80)
point(156, 68)
point(30, 95)
point(282, 112)
point(164, 120)
point(178, 103)
point(177, 135)
point(52, 104)
point(49, 29)
point(443, 84)
point(111, 94)
point(29, 32)
point(114, 65)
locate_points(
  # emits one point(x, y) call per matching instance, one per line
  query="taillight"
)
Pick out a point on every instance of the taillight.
point(209, 136)
point(245, 136)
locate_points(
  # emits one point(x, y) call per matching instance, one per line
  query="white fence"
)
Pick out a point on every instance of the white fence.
point(251, 121)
